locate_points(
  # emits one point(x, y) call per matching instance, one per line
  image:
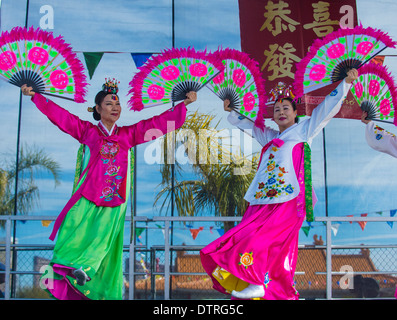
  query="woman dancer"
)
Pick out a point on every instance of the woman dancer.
point(87, 258)
point(257, 258)
point(378, 138)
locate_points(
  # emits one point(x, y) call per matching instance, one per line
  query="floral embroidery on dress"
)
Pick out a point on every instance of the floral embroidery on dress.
point(108, 151)
point(275, 183)
point(267, 280)
point(246, 259)
point(378, 132)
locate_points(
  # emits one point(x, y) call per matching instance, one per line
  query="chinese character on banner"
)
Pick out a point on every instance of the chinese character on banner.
point(322, 24)
point(277, 19)
point(278, 33)
point(279, 61)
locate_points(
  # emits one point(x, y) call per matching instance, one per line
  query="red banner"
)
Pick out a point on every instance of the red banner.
point(277, 34)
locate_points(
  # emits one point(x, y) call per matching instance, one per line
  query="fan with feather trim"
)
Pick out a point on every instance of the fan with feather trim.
point(330, 58)
point(376, 93)
point(43, 62)
point(167, 77)
point(241, 83)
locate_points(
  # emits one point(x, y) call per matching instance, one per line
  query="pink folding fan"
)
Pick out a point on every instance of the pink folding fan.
point(42, 61)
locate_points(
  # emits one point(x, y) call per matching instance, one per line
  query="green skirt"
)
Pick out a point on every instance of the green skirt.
point(90, 237)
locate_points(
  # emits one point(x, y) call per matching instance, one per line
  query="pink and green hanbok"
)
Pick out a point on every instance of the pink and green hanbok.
point(90, 228)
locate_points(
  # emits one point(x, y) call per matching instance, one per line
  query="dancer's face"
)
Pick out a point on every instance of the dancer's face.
point(109, 109)
point(284, 114)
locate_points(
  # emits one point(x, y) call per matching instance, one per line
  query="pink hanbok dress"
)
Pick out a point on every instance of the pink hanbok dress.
point(263, 248)
point(90, 228)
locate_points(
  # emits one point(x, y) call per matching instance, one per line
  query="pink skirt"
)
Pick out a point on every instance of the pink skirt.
point(261, 250)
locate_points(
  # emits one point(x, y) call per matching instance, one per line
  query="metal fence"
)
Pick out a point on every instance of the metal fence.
point(167, 271)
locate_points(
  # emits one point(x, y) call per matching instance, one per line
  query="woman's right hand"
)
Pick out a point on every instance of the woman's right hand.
point(27, 91)
point(226, 104)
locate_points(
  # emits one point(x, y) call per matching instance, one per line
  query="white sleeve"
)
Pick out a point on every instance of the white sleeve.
point(381, 140)
point(262, 136)
point(326, 110)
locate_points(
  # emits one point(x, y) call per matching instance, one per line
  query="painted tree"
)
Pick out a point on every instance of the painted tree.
point(32, 161)
point(220, 178)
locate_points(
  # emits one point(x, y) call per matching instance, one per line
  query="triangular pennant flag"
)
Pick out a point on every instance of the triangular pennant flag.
point(138, 231)
point(306, 230)
point(211, 229)
point(195, 232)
point(140, 58)
point(379, 212)
point(392, 214)
point(335, 227)
point(362, 223)
point(221, 231)
point(46, 223)
point(350, 215)
point(92, 60)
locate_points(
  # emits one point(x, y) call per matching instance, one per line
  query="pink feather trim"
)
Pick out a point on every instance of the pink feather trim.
point(136, 84)
point(253, 66)
point(58, 43)
point(318, 43)
point(384, 74)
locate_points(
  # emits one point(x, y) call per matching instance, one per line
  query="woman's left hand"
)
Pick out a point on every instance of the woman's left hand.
point(351, 75)
point(364, 116)
point(190, 97)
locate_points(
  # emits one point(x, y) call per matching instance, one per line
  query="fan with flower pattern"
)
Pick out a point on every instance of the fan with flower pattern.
point(241, 83)
point(376, 93)
point(167, 77)
point(42, 61)
point(330, 58)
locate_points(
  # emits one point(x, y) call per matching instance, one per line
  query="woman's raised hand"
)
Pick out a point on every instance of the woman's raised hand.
point(364, 116)
point(351, 75)
point(190, 97)
point(226, 104)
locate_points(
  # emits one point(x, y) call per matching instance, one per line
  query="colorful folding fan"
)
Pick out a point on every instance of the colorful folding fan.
point(330, 58)
point(241, 83)
point(38, 59)
point(376, 93)
point(169, 76)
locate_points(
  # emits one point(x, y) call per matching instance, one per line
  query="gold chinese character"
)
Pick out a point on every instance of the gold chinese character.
point(322, 25)
point(278, 12)
point(281, 62)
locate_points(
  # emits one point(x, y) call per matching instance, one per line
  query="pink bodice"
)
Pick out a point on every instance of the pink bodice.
point(107, 170)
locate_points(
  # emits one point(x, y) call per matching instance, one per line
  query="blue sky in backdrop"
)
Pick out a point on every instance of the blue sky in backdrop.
point(360, 180)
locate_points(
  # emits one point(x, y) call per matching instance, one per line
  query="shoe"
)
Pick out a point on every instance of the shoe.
point(252, 291)
point(81, 276)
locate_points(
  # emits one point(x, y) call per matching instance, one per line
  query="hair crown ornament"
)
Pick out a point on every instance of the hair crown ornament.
point(279, 92)
point(111, 86)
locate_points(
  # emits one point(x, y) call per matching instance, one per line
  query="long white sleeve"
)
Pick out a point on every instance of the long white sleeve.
point(381, 140)
point(326, 110)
